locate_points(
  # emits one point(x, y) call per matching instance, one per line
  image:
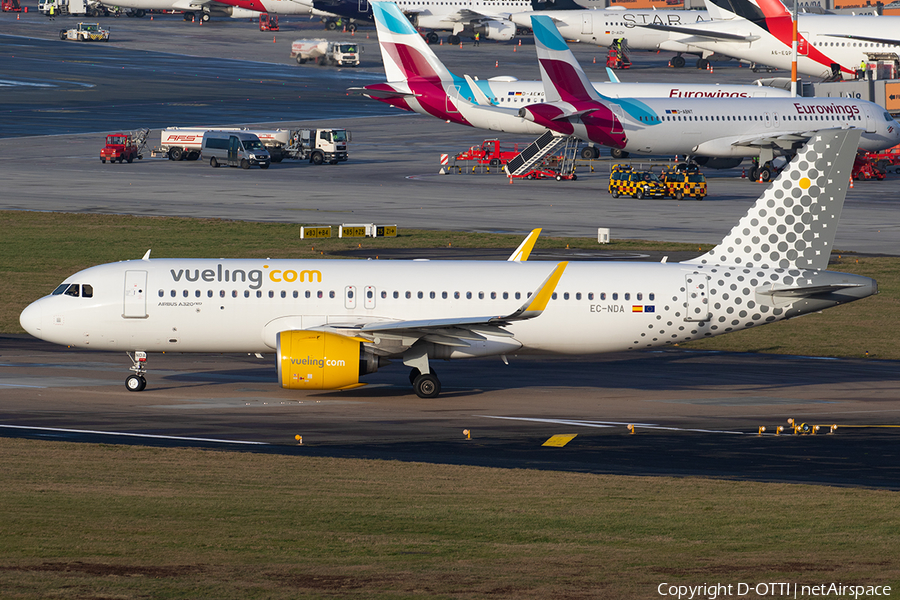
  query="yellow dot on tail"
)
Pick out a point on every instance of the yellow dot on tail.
point(805, 183)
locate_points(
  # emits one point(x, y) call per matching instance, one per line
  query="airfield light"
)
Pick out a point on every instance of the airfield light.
point(299, 439)
point(779, 429)
point(762, 429)
point(467, 433)
point(631, 429)
point(833, 429)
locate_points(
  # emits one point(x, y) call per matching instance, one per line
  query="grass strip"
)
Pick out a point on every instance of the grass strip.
point(101, 521)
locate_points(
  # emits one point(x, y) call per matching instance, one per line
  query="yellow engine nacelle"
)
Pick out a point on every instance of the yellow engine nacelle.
point(317, 360)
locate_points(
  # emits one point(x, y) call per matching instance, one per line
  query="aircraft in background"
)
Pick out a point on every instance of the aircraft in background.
point(718, 133)
point(829, 46)
point(604, 27)
point(721, 128)
point(331, 321)
point(202, 9)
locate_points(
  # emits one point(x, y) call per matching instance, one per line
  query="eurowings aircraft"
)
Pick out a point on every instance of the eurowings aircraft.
point(331, 321)
point(718, 132)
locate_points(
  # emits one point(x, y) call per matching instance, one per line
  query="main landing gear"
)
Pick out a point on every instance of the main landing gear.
point(426, 385)
point(136, 382)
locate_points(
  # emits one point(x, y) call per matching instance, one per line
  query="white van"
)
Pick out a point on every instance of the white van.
point(234, 149)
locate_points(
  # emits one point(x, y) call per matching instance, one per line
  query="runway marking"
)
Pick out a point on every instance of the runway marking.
point(600, 424)
point(140, 435)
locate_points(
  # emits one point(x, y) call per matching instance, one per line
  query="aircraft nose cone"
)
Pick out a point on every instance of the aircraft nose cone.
point(30, 319)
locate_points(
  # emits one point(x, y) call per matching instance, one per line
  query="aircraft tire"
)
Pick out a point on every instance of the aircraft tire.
point(453, 40)
point(432, 38)
point(427, 385)
point(677, 62)
point(205, 17)
point(765, 174)
point(351, 27)
point(618, 153)
point(135, 383)
point(702, 63)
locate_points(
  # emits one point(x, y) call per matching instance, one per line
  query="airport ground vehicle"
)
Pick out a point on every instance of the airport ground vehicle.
point(325, 52)
point(316, 145)
point(11, 6)
point(85, 32)
point(268, 22)
point(684, 180)
point(489, 153)
point(625, 181)
point(123, 147)
point(235, 149)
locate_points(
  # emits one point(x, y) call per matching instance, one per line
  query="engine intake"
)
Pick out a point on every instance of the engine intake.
point(501, 30)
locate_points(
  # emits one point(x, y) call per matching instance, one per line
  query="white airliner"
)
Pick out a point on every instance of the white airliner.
point(204, 9)
point(603, 27)
point(718, 132)
point(752, 30)
point(330, 321)
point(828, 45)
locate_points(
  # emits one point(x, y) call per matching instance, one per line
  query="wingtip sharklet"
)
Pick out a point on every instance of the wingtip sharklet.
point(522, 253)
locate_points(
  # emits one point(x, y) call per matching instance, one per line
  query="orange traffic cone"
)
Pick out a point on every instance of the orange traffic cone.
point(497, 64)
point(711, 70)
point(514, 48)
point(851, 182)
point(441, 42)
point(273, 39)
point(460, 45)
point(520, 42)
point(352, 33)
point(743, 173)
point(595, 60)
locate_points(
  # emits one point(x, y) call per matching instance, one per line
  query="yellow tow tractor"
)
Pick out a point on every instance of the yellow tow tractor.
point(684, 180)
point(625, 181)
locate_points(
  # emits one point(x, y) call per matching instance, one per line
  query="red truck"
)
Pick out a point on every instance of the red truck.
point(119, 147)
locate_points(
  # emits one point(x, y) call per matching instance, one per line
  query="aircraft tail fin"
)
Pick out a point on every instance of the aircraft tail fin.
point(564, 79)
point(524, 250)
point(793, 224)
point(404, 52)
point(752, 10)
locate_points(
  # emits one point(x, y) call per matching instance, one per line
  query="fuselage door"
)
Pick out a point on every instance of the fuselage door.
point(871, 126)
point(768, 120)
point(350, 297)
point(369, 296)
point(135, 295)
point(587, 23)
point(364, 6)
point(697, 288)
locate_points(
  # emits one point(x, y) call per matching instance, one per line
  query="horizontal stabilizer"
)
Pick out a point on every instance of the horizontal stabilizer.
point(716, 35)
point(804, 292)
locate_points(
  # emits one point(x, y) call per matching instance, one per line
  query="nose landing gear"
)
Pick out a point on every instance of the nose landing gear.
point(136, 382)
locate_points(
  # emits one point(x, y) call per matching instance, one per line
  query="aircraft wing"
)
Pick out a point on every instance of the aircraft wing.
point(466, 15)
point(455, 331)
point(191, 4)
point(865, 38)
point(783, 140)
point(704, 33)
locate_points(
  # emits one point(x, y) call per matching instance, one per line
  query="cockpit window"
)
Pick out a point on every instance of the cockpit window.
point(87, 291)
point(60, 289)
point(73, 290)
point(888, 117)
